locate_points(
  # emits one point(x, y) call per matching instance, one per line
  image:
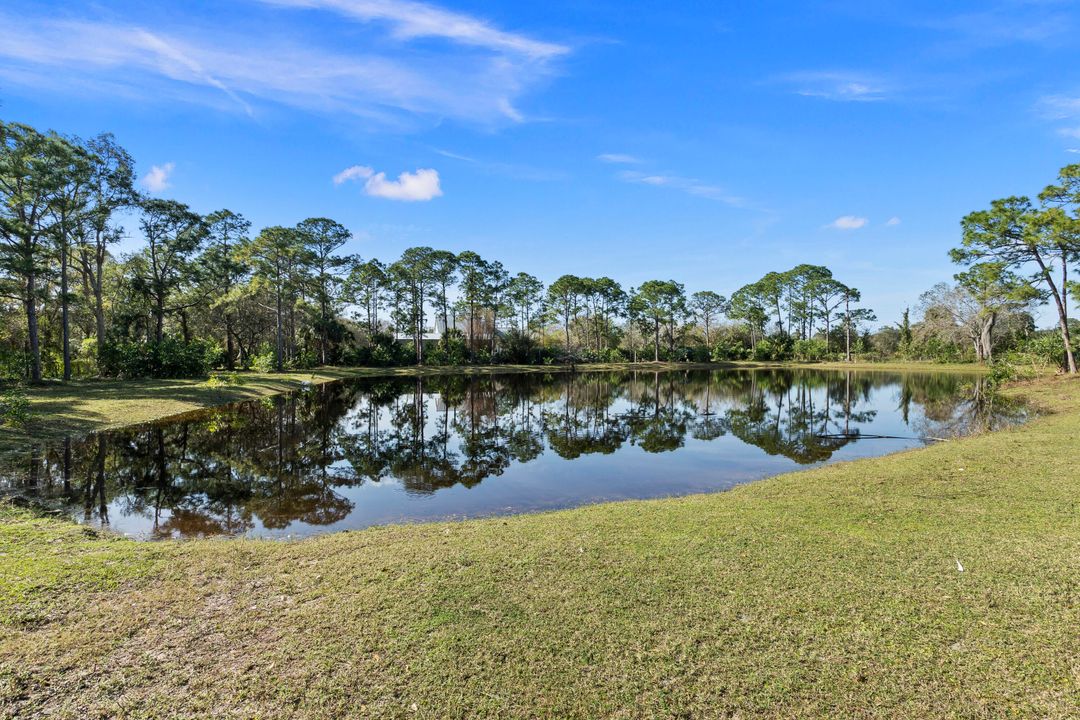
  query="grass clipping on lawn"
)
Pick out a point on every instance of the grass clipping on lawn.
point(836, 592)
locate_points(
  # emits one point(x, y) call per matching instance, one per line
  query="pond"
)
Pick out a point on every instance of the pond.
point(356, 453)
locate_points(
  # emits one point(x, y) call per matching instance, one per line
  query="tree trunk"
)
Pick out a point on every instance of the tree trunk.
point(323, 334)
point(847, 330)
point(159, 318)
point(32, 326)
point(229, 349)
point(1060, 300)
point(97, 283)
point(986, 338)
point(280, 350)
point(656, 339)
point(64, 318)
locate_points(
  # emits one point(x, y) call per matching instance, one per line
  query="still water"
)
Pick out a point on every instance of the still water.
point(357, 453)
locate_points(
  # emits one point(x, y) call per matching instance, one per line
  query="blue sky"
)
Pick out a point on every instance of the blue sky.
point(705, 142)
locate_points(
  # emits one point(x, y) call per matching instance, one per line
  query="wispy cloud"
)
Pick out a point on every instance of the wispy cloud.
point(848, 222)
point(838, 86)
point(893, 221)
point(477, 75)
point(1061, 108)
point(687, 185)
point(157, 178)
point(1009, 22)
point(518, 172)
point(354, 172)
point(420, 20)
point(421, 185)
point(618, 159)
point(1058, 107)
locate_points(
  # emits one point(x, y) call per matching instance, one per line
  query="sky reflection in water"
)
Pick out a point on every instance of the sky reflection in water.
point(352, 454)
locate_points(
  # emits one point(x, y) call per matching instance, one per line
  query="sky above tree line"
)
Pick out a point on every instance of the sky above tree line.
point(708, 143)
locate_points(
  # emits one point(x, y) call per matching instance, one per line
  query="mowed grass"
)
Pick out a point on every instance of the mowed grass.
point(836, 592)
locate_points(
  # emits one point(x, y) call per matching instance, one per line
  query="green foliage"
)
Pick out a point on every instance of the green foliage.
point(217, 380)
point(263, 361)
point(1037, 354)
point(380, 351)
point(809, 350)
point(1003, 372)
point(170, 358)
point(14, 407)
point(727, 350)
point(767, 349)
point(449, 351)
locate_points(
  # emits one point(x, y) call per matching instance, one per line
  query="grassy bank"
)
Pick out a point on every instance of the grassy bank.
point(936, 582)
point(81, 407)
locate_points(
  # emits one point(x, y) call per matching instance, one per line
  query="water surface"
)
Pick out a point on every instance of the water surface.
point(351, 454)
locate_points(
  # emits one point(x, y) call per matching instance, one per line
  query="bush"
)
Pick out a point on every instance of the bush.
point(449, 351)
point(775, 348)
point(727, 350)
point(263, 361)
point(699, 354)
point(615, 355)
point(809, 350)
point(217, 380)
point(1002, 372)
point(170, 358)
point(14, 407)
point(380, 350)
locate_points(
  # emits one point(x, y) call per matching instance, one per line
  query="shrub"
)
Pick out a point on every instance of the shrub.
point(699, 354)
point(217, 380)
point(449, 351)
point(1002, 372)
point(14, 407)
point(263, 361)
point(727, 350)
point(809, 350)
point(170, 358)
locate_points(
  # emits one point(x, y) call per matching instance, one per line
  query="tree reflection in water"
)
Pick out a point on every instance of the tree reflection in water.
point(280, 461)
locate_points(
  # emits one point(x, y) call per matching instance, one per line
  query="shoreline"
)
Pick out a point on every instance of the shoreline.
point(824, 592)
point(81, 407)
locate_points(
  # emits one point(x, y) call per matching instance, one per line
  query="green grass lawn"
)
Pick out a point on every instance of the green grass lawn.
point(835, 592)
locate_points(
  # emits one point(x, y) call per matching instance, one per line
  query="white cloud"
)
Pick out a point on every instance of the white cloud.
point(838, 86)
point(618, 159)
point(1073, 150)
point(848, 222)
point(354, 172)
point(157, 179)
point(478, 75)
point(686, 185)
point(421, 185)
point(893, 221)
point(1059, 107)
point(419, 20)
point(520, 172)
point(411, 187)
point(1004, 23)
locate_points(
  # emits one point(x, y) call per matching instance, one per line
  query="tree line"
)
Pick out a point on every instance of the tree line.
point(206, 291)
